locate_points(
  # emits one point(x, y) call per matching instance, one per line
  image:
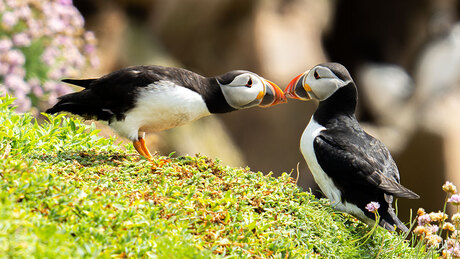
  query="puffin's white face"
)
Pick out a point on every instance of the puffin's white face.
point(319, 83)
point(248, 89)
point(323, 82)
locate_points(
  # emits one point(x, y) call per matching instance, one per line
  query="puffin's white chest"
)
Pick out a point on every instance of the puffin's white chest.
point(324, 182)
point(161, 106)
point(321, 178)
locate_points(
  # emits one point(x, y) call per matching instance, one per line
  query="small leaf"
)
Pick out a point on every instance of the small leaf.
point(72, 126)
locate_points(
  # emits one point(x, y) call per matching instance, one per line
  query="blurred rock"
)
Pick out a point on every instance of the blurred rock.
point(287, 36)
point(422, 168)
point(438, 96)
point(206, 36)
point(437, 70)
point(442, 119)
point(385, 88)
point(108, 21)
point(389, 31)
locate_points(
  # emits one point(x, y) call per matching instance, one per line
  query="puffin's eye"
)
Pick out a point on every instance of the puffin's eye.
point(316, 75)
point(249, 84)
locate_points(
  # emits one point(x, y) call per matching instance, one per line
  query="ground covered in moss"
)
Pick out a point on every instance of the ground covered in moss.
point(65, 192)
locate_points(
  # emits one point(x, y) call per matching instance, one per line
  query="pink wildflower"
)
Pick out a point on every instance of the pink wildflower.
point(5, 44)
point(15, 57)
point(433, 228)
point(56, 25)
point(65, 2)
point(23, 103)
point(16, 83)
point(433, 240)
point(9, 19)
point(4, 68)
point(24, 12)
point(454, 199)
point(424, 219)
point(21, 39)
point(372, 206)
point(89, 48)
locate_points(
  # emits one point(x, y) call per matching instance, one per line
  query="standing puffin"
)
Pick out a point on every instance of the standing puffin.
point(350, 167)
point(142, 99)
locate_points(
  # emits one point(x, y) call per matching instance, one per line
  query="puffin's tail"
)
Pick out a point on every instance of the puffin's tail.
point(83, 103)
point(85, 83)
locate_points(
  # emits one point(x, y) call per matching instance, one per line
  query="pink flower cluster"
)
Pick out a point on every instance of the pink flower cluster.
point(427, 227)
point(42, 41)
point(430, 224)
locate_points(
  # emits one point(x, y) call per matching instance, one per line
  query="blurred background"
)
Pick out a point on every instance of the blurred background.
point(403, 55)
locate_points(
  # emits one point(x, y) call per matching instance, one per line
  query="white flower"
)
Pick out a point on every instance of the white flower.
point(449, 187)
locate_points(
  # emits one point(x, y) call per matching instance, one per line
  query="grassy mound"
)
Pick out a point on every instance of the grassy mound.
point(65, 192)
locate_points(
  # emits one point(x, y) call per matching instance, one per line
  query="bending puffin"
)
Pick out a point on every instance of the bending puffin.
point(350, 167)
point(142, 99)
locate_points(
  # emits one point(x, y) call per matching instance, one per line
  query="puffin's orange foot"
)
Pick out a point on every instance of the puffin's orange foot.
point(142, 149)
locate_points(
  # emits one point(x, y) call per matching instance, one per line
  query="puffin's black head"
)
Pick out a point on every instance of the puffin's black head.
point(244, 89)
point(320, 82)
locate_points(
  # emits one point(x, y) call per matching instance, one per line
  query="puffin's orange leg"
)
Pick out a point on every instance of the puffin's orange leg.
point(146, 150)
point(137, 146)
point(142, 149)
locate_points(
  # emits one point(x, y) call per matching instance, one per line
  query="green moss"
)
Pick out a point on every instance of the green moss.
point(65, 192)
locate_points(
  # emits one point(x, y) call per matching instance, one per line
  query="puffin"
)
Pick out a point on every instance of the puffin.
point(351, 167)
point(143, 99)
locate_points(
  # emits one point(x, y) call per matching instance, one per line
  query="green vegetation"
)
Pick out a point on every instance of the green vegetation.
point(65, 192)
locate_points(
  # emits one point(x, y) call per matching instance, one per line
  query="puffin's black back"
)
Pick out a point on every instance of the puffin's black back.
point(112, 95)
point(361, 168)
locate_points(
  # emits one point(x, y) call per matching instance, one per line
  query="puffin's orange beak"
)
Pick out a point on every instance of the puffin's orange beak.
point(273, 95)
point(297, 89)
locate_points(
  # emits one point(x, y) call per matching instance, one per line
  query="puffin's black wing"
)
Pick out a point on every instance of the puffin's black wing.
point(359, 161)
point(112, 95)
